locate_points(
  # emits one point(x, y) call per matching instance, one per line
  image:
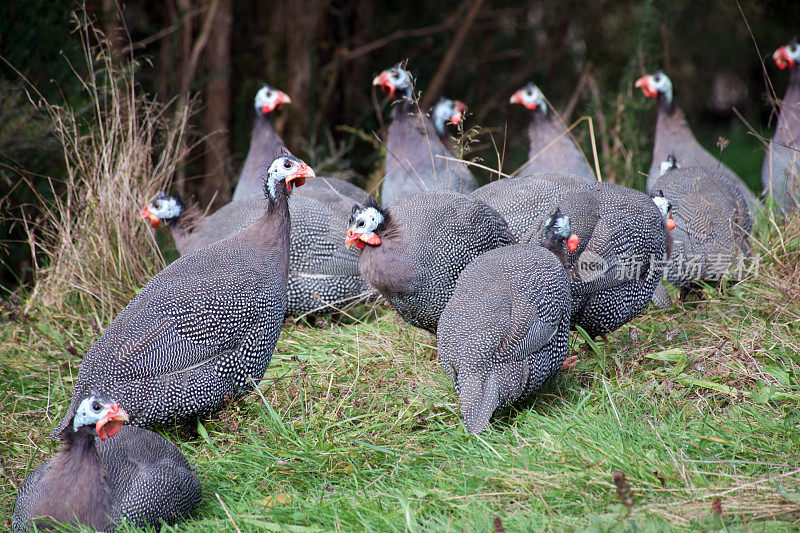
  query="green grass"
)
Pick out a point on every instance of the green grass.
point(355, 427)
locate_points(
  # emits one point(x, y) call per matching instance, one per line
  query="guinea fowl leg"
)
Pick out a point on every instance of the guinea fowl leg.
point(569, 363)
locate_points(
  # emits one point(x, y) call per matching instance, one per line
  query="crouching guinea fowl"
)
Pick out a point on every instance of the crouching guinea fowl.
point(552, 148)
point(323, 275)
point(712, 224)
point(264, 143)
point(413, 252)
point(780, 173)
point(204, 328)
point(126, 474)
point(505, 331)
point(416, 159)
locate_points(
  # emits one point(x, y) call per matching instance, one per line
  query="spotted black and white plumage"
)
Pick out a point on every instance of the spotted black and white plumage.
point(780, 173)
point(712, 225)
point(674, 137)
point(424, 242)
point(321, 270)
point(551, 146)
point(505, 331)
point(620, 258)
point(264, 143)
point(416, 159)
point(204, 328)
point(134, 476)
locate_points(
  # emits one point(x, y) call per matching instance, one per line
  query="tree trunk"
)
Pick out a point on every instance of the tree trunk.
point(301, 44)
point(216, 185)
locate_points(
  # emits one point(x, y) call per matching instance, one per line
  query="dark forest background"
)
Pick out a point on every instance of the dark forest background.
point(324, 53)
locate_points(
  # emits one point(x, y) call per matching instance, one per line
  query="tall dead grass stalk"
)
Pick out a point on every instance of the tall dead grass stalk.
point(92, 252)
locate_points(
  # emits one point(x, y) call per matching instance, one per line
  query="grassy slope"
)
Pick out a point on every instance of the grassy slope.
point(356, 428)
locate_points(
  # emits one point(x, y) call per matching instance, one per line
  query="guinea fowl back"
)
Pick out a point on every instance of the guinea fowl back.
point(150, 478)
point(712, 228)
point(506, 329)
point(623, 262)
point(525, 203)
point(427, 242)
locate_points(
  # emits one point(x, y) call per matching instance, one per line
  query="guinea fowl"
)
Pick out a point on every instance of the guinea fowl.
point(619, 259)
point(416, 160)
point(413, 252)
point(130, 475)
point(321, 270)
point(204, 328)
point(780, 173)
point(712, 224)
point(673, 137)
point(505, 331)
point(264, 143)
point(552, 148)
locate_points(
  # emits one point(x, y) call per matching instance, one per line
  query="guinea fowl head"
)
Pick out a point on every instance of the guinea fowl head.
point(558, 232)
point(787, 56)
point(268, 99)
point(164, 207)
point(665, 207)
point(531, 97)
point(447, 111)
point(364, 221)
point(655, 85)
point(669, 164)
point(287, 170)
point(395, 80)
point(101, 415)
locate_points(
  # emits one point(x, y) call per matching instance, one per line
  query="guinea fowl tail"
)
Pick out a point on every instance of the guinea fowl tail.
point(479, 399)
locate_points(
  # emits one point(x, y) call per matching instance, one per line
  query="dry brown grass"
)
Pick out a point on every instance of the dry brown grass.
point(118, 154)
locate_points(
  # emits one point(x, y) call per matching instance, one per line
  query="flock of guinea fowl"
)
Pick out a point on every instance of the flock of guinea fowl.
point(498, 273)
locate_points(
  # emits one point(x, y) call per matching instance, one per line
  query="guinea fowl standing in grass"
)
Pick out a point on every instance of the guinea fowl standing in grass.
point(712, 224)
point(619, 260)
point(673, 137)
point(416, 160)
point(204, 328)
point(321, 270)
point(552, 148)
point(780, 173)
point(130, 474)
point(505, 331)
point(264, 143)
point(414, 251)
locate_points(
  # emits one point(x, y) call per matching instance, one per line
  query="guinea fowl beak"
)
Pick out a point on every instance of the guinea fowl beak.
point(112, 422)
point(383, 80)
point(670, 223)
point(782, 58)
point(280, 99)
point(352, 238)
point(146, 214)
point(455, 118)
point(646, 86)
point(299, 177)
point(573, 242)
